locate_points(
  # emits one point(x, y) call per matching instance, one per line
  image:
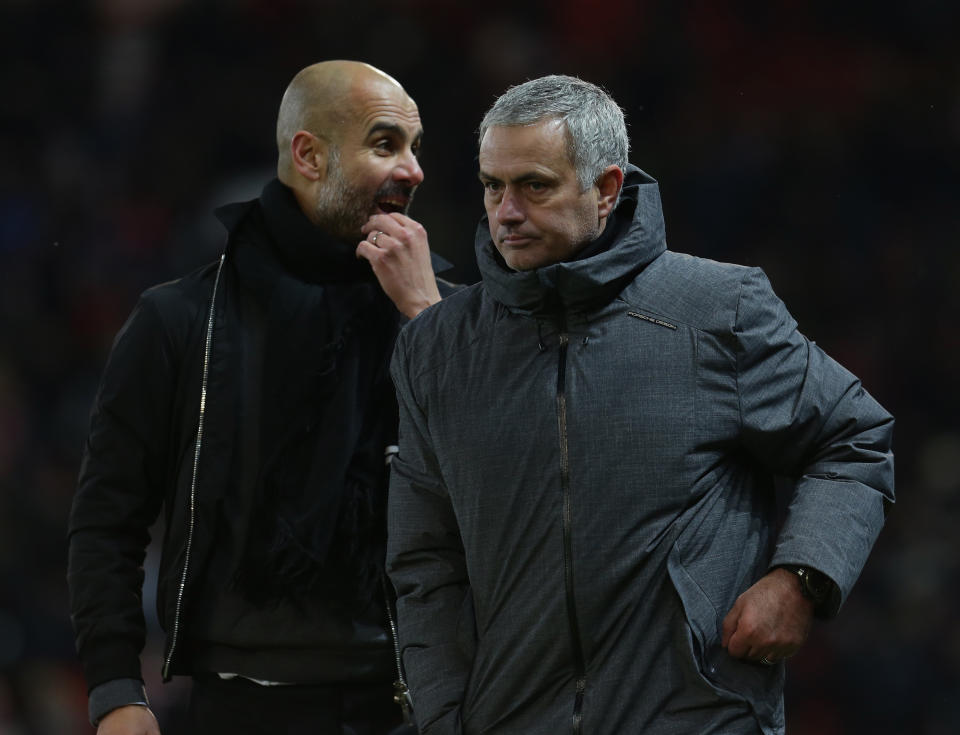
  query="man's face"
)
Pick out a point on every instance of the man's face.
point(372, 168)
point(536, 211)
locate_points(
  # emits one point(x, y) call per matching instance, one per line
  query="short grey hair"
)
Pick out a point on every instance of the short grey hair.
point(595, 129)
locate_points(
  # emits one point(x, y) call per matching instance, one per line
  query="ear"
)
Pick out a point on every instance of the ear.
point(309, 155)
point(608, 185)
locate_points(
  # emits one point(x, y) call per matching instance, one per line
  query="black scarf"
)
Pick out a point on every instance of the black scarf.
point(326, 412)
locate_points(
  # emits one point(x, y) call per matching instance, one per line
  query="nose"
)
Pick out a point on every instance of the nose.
point(409, 170)
point(508, 211)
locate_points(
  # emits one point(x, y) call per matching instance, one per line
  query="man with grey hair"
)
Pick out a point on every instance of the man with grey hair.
point(585, 534)
point(251, 401)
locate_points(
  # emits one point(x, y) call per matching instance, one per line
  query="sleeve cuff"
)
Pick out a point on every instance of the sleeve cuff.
point(106, 697)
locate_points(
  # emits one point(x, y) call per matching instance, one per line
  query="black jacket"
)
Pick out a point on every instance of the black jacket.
point(163, 436)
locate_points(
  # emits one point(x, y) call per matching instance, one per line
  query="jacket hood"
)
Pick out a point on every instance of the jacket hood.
point(577, 285)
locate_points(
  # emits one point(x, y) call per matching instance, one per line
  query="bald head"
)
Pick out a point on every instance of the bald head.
point(348, 137)
point(322, 99)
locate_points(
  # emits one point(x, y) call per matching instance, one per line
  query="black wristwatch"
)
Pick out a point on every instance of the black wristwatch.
point(815, 585)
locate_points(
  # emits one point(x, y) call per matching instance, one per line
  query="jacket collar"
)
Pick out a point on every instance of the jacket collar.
point(304, 250)
point(580, 284)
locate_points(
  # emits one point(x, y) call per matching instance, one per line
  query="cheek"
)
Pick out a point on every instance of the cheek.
point(567, 230)
point(563, 224)
point(374, 178)
point(370, 174)
point(491, 209)
point(584, 222)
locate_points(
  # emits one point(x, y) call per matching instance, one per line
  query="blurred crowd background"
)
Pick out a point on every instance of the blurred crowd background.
point(816, 139)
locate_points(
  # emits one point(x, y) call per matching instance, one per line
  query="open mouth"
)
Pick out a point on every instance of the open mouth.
point(393, 205)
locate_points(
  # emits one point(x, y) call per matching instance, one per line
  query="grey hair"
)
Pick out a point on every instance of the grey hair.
point(595, 129)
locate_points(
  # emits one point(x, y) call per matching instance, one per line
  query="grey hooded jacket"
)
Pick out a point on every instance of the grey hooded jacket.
point(585, 484)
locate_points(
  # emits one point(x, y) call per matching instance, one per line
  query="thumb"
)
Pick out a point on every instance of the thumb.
point(730, 624)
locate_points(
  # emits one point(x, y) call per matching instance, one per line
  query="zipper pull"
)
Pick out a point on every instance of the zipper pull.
point(401, 695)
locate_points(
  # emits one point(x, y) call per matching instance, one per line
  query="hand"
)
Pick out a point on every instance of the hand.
point(771, 620)
point(401, 261)
point(131, 719)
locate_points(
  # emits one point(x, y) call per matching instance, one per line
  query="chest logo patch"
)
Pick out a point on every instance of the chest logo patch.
point(652, 320)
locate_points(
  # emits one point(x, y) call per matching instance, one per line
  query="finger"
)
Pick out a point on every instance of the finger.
point(738, 635)
point(371, 225)
point(367, 250)
point(401, 219)
point(739, 646)
point(384, 222)
point(399, 226)
point(729, 626)
point(370, 228)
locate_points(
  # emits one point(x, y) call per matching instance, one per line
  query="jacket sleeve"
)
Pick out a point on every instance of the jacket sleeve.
point(426, 563)
point(804, 415)
point(118, 497)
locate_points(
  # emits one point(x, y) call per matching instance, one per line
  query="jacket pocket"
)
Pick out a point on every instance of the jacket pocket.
point(761, 686)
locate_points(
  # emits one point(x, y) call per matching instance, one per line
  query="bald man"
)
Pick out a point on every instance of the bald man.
point(251, 402)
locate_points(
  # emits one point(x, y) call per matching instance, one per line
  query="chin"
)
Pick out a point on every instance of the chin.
point(523, 264)
point(530, 257)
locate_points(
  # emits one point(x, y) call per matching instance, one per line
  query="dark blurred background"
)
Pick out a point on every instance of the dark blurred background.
point(816, 139)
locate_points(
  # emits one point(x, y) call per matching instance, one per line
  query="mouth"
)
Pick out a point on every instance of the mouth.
point(515, 241)
point(386, 206)
point(393, 198)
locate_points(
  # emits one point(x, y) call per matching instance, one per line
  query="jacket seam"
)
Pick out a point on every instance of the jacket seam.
point(738, 352)
point(447, 357)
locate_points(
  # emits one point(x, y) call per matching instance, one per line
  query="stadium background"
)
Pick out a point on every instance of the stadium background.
point(816, 139)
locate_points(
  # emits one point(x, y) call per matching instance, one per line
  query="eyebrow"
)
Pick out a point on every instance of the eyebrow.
point(394, 128)
point(521, 179)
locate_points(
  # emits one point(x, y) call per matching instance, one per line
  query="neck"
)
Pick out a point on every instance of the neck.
point(304, 198)
point(305, 249)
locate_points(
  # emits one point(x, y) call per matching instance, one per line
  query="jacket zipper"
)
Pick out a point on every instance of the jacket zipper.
point(576, 643)
point(401, 693)
point(193, 480)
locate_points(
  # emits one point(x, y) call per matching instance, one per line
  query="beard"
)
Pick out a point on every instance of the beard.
point(343, 208)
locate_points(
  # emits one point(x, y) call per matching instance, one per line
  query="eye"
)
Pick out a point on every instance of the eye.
point(491, 187)
point(384, 145)
point(536, 186)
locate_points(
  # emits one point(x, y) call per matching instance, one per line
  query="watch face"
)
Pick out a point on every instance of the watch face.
point(816, 585)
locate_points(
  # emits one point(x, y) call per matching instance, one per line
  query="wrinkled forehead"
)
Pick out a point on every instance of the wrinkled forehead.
point(374, 103)
point(543, 142)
